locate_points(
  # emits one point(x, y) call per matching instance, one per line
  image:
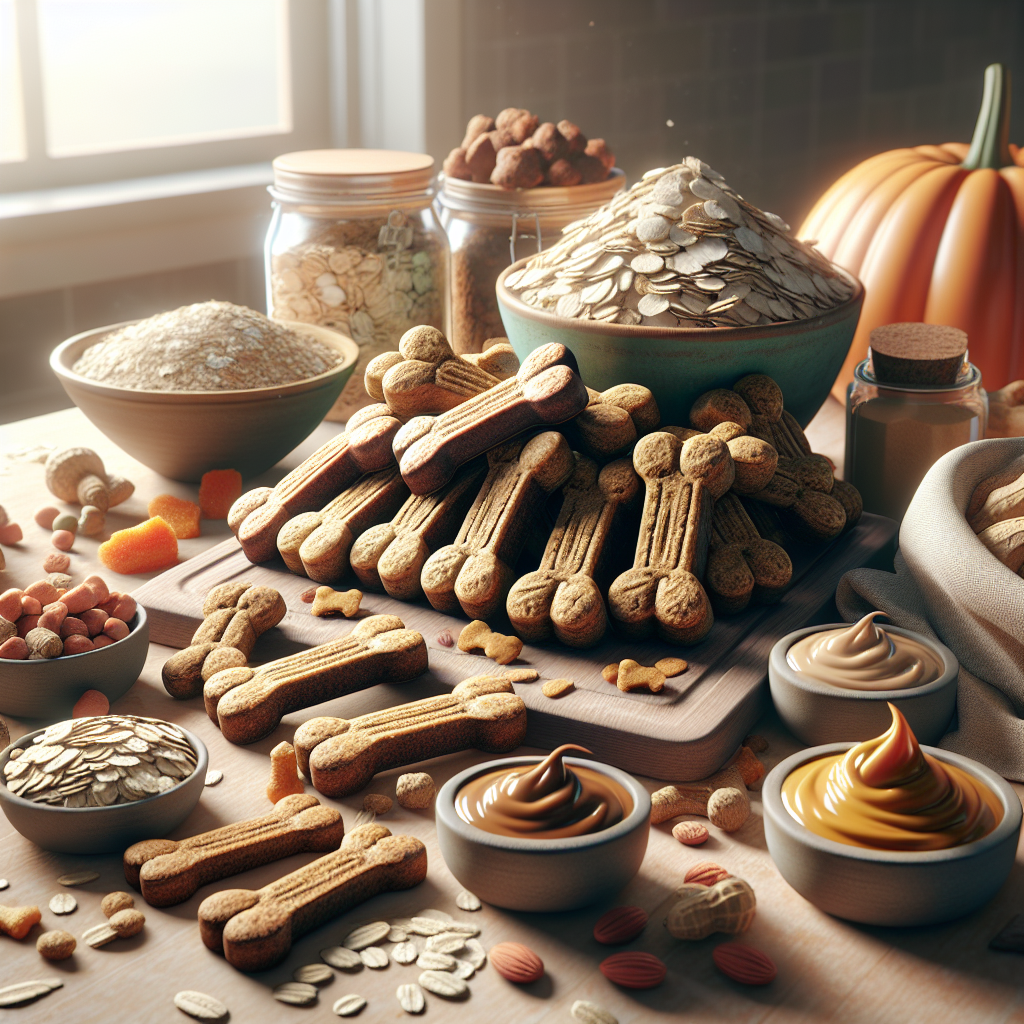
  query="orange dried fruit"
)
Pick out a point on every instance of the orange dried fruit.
point(150, 546)
point(180, 515)
point(219, 489)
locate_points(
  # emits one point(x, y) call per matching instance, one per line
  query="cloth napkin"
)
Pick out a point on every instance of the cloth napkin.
point(947, 585)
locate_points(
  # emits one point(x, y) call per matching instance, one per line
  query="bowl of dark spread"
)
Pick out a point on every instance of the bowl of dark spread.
point(543, 833)
point(834, 683)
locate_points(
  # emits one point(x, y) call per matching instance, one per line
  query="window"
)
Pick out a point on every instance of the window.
point(113, 89)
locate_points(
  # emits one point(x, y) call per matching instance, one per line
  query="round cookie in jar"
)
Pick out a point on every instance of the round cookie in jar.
point(354, 245)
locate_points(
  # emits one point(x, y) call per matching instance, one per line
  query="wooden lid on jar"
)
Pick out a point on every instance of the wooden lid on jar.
point(917, 354)
point(350, 174)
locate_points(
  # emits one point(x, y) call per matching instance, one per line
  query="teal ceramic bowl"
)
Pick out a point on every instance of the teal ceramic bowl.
point(680, 364)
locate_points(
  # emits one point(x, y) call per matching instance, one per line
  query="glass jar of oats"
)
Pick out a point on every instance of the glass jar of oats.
point(353, 244)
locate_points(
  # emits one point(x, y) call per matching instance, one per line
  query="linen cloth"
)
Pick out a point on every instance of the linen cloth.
point(948, 585)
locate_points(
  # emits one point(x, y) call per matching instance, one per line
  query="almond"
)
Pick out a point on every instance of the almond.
point(743, 963)
point(707, 872)
point(690, 833)
point(633, 970)
point(516, 962)
point(620, 924)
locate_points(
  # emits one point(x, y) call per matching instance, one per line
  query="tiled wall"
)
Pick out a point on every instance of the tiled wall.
point(779, 96)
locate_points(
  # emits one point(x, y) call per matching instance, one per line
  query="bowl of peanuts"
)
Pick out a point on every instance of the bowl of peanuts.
point(183, 415)
point(55, 647)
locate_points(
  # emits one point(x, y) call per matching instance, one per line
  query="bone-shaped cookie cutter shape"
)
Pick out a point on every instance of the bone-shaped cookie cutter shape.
point(364, 447)
point(317, 544)
point(390, 556)
point(663, 590)
point(341, 757)
point(613, 421)
point(235, 615)
point(169, 872)
point(246, 704)
point(546, 390)
point(255, 928)
point(426, 378)
point(476, 571)
point(562, 597)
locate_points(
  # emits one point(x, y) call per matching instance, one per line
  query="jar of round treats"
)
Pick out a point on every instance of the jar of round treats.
point(490, 228)
point(354, 244)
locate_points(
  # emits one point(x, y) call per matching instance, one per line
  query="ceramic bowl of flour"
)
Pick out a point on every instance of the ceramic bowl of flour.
point(182, 434)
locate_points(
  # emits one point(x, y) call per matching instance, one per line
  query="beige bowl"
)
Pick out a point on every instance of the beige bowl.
point(182, 434)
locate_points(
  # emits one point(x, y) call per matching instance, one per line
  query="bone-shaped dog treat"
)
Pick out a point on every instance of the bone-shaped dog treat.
point(754, 461)
point(364, 447)
point(169, 872)
point(342, 756)
point(246, 703)
point(562, 596)
point(663, 590)
point(427, 378)
point(317, 544)
point(475, 572)
point(254, 929)
point(235, 615)
point(547, 389)
point(811, 512)
point(741, 564)
point(390, 556)
point(613, 421)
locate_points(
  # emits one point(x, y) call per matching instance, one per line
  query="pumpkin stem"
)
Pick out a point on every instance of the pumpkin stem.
point(990, 146)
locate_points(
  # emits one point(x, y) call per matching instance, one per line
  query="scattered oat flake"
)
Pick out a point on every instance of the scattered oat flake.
point(63, 903)
point(313, 974)
point(4, 884)
point(411, 998)
point(213, 776)
point(200, 1006)
point(437, 915)
point(78, 878)
point(374, 957)
point(443, 983)
point(397, 935)
point(26, 991)
point(468, 901)
point(405, 953)
point(557, 687)
point(341, 958)
point(348, 1006)
point(366, 935)
point(296, 993)
point(98, 936)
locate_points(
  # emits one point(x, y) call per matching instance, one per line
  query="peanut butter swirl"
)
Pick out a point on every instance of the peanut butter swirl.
point(865, 657)
point(885, 794)
point(543, 801)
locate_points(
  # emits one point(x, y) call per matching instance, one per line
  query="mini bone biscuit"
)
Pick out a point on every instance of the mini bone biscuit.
point(246, 703)
point(327, 601)
point(254, 929)
point(341, 757)
point(317, 544)
point(547, 389)
point(235, 615)
point(427, 379)
point(742, 566)
point(475, 572)
point(614, 420)
point(390, 556)
point(810, 512)
point(562, 597)
point(663, 590)
point(365, 447)
point(169, 872)
point(477, 635)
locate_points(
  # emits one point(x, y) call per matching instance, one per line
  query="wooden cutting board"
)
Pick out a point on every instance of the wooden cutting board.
point(684, 732)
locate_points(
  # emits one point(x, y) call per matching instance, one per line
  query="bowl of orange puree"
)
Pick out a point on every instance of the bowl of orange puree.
point(888, 832)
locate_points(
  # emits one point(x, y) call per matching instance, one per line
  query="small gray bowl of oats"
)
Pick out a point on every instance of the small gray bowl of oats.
point(105, 751)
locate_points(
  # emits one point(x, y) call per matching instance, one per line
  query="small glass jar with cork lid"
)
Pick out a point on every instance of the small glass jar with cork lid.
point(916, 397)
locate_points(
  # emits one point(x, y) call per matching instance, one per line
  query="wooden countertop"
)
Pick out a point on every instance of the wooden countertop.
point(829, 970)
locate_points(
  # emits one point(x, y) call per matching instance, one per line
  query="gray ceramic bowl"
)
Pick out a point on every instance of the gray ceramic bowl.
point(894, 888)
point(543, 874)
point(104, 829)
point(819, 713)
point(48, 688)
point(680, 364)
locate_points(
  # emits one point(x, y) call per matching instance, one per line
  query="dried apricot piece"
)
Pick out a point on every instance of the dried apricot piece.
point(219, 489)
point(147, 547)
point(180, 515)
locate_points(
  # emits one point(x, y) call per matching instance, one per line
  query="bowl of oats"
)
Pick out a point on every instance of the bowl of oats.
point(207, 386)
point(681, 285)
point(97, 785)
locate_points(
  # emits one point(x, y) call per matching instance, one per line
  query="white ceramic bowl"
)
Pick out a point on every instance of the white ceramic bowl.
point(890, 887)
point(543, 874)
point(104, 829)
point(818, 713)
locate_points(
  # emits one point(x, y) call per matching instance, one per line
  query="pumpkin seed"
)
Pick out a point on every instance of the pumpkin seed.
point(441, 983)
point(411, 998)
point(200, 1005)
point(296, 993)
point(343, 959)
point(348, 1006)
point(467, 901)
point(366, 935)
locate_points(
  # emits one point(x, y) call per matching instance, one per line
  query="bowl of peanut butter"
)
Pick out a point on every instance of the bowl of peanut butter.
point(834, 683)
point(888, 832)
point(543, 833)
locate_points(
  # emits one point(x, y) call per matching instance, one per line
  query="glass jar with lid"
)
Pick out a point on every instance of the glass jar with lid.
point(354, 244)
point(489, 228)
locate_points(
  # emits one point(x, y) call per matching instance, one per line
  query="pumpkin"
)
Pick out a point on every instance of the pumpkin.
point(936, 234)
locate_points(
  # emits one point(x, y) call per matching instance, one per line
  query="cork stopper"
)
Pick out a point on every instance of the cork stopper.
point(917, 354)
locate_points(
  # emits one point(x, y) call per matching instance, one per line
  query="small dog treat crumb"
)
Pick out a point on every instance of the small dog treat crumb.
point(307, 596)
point(56, 945)
point(521, 675)
point(634, 676)
point(556, 687)
point(55, 562)
point(377, 802)
point(670, 667)
point(18, 921)
point(328, 601)
point(690, 833)
point(445, 638)
point(502, 649)
point(284, 773)
point(610, 673)
point(415, 790)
